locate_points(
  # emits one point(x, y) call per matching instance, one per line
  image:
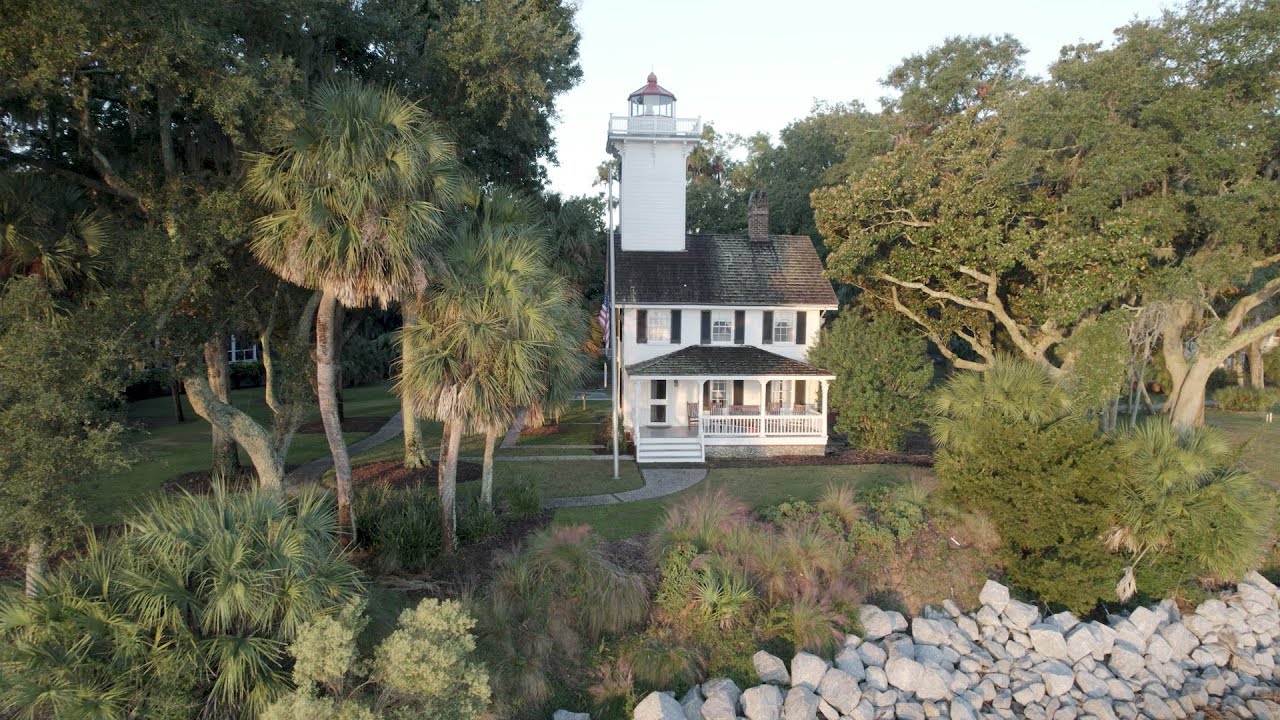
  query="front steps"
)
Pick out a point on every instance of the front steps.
point(670, 450)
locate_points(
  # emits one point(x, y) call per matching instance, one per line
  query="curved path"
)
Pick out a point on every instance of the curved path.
point(658, 482)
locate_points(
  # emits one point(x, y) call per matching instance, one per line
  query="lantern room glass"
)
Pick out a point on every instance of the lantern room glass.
point(660, 105)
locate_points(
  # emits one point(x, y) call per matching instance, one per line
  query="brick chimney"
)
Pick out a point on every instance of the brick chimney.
point(758, 215)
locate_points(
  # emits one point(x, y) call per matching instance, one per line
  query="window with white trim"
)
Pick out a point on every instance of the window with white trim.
point(784, 327)
point(780, 392)
point(719, 393)
point(659, 326)
point(722, 326)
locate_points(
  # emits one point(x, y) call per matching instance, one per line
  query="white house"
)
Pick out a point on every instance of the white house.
point(715, 330)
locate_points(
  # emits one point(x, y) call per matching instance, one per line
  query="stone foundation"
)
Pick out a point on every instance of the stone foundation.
point(1005, 660)
point(763, 451)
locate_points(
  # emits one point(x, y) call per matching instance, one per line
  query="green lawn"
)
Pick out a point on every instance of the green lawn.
point(579, 423)
point(757, 487)
point(166, 451)
point(1261, 440)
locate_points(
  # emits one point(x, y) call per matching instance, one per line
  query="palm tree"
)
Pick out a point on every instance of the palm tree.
point(358, 190)
point(48, 231)
point(490, 338)
point(1186, 497)
point(1012, 390)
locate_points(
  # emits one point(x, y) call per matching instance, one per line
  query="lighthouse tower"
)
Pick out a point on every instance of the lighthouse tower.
point(652, 145)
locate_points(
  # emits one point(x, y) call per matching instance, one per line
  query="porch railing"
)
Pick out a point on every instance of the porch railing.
point(746, 425)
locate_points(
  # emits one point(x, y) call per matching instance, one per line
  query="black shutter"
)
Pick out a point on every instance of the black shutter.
point(801, 398)
point(739, 327)
point(737, 392)
point(675, 327)
point(706, 395)
point(801, 317)
point(642, 326)
point(766, 332)
point(706, 327)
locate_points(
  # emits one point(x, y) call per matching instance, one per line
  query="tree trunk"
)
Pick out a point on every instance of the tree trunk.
point(486, 475)
point(264, 452)
point(1186, 406)
point(1257, 379)
point(37, 565)
point(415, 450)
point(175, 390)
point(448, 484)
point(226, 457)
point(326, 378)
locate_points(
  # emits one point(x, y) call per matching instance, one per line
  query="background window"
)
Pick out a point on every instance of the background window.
point(719, 392)
point(659, 326)
point(784, 327)
point(658, 389)
point(722, 327)
point(657, 413)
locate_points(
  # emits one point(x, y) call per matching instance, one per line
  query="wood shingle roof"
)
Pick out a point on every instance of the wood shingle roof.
point(725, 361)
point(726, 270)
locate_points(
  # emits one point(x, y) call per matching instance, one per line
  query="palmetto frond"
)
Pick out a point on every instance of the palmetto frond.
point(359, 190)
point(1011, 390)
point(1185, 495)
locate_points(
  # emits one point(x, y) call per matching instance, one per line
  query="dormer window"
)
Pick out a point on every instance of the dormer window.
point(784, 327)
point(722, 326)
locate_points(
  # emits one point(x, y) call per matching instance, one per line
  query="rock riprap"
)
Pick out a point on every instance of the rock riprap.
point(1006, 661)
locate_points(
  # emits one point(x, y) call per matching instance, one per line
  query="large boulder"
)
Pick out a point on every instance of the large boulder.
point(692, 704)
point(800, 704)
point(934, 684)
point(875, 622)
point(658, 706)
point(771, 669)
point(1057, 677)
point(1020, 615)
point(762, 702)
point(1126, 660)
point(1081, 642)
point(807, 670)
point(962, 710)
point(850, 661)
point(994, 595)
point(904, 673)
point(930, 632)
point(840, 689)
point(721, 699)
point(566, 715)
point(1048, 641)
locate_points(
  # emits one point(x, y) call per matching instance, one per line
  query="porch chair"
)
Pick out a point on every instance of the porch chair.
point(800, 409)
point(694, 415)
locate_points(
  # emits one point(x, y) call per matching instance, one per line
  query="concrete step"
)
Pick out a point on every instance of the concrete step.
point(692, 454)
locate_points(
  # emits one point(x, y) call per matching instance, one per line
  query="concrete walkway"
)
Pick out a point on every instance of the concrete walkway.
point(312, 471)
point(658, 482)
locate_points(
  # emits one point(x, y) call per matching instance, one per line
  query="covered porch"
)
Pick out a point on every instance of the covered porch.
point(715, 403)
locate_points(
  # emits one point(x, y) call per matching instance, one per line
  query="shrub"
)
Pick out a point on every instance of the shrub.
point(1271, 367)
point(247, 373)
point(882, 373)
point(1244, 399)
point(1185, 505)
point(544, 605)
point(402, 526)
point(190, 607)
point(1011, 448)
point(478, 522)
point(520, 500)
point(424, 668)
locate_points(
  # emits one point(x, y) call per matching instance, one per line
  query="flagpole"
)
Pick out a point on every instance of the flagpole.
point(611, 298)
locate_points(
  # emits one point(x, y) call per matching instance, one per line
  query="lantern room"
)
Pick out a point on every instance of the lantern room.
point(652, 99)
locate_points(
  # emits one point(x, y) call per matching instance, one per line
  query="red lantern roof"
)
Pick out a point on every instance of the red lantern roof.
point(652, 88)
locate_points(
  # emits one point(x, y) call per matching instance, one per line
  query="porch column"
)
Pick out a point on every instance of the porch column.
point(635, 411)
point(824, 407)
point(764, 399)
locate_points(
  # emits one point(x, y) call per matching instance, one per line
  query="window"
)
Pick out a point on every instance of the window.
point(659, 326)
point(658, 389)
point(784, 327)
point(779, 391)
point(722, 327)
point(719, 393)
point(241, 353)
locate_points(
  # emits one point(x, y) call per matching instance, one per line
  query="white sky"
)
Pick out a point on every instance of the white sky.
point(752, 65)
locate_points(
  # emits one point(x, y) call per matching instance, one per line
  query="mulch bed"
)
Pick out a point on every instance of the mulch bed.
point(543, 431)
point(361, 424)
point(843, 457)
point(393, 473)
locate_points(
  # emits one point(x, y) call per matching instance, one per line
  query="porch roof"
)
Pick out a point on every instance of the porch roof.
point(725, 361)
